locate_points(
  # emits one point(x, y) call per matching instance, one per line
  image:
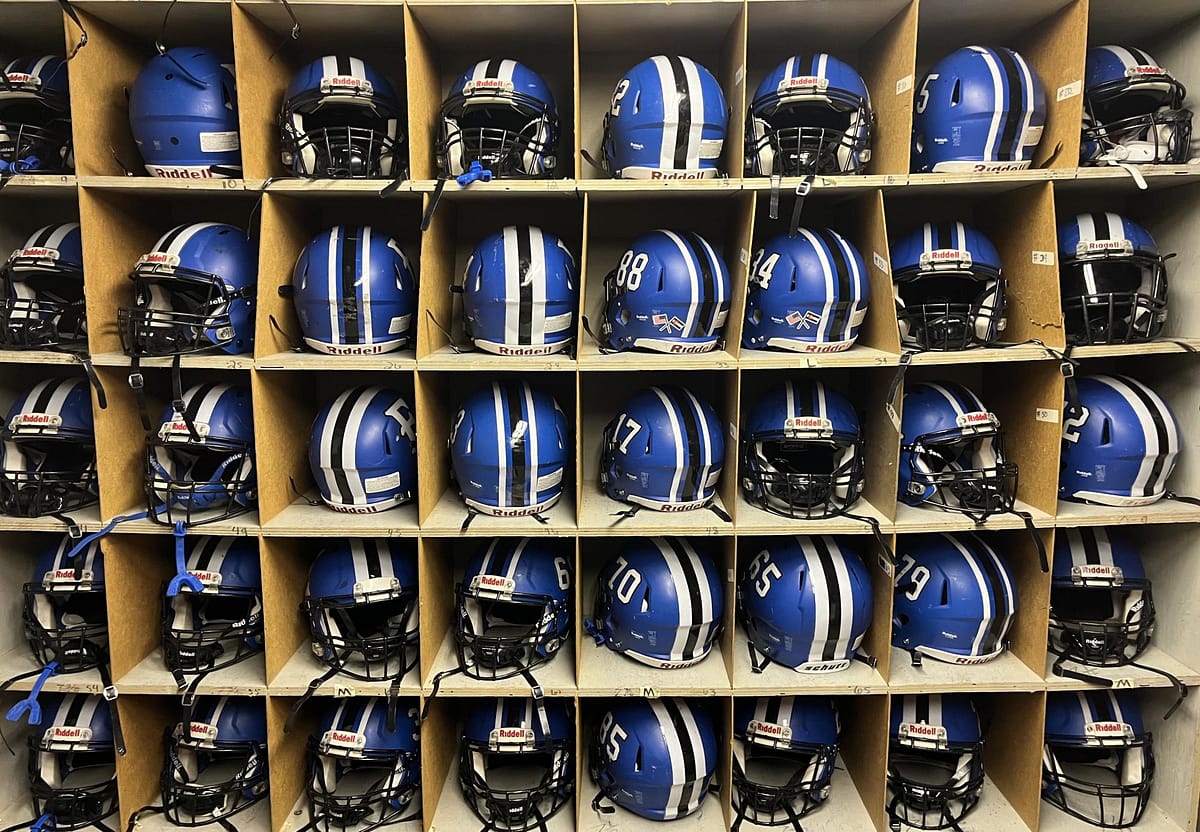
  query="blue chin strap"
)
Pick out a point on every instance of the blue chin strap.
point(29, 705)
point(46, 820)
point(30, 164)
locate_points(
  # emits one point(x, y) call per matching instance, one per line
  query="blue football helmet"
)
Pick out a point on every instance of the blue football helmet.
point(341, 120)
point(183, 112)
point(1132, 110)
point(949, 288)
point(361, 607)
point(808, 293)
point(73, 762)
point(980, 109)
point(513, 607)
point(509, 449)
point(193, 291)
point(661, 602)
point(35, 110)
point(667, 120)
point(501, 114)
point(1098, 761)
point(670, 293)
point(952, 453)
point(200, 462)
point(48, 450)
point(802, 452)
point(785, 750)
point(955, 599)
point(65, 610)
point(1120, 443)
point(1113, 280)
point(811, 115)
point(355, 292)
point(665, 450)
point(805, 603)
point(520, 293)
point(362, 772)
point(655, 757)
point(363, 451)
point(41, 292)
point(536, 737)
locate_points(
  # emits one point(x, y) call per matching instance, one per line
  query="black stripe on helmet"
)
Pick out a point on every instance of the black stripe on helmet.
point(1014, 112)
point(830, 569)
point(693, 595)
point(684, 131)
point(524, 285)
point(706, 315)
point(518, 469)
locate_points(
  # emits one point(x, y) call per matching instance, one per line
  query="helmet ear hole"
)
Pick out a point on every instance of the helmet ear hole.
point(902, 619)
point(625, 316)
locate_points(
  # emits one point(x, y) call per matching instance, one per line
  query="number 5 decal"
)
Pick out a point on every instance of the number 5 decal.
point(923, 98)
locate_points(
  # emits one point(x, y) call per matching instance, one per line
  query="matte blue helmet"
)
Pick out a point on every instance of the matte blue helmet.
point(661, 603)
point(513, 607)
point(535, 736)
point(808, 293)
point(355, 292)
point(955, 599)
point(949, 288)
point(200, 461)
point(341, 120)
point(1113, 280)
point(979, 109)
point(1098, 761)
point(1132, 110)
point(65, 610)
point(183, 112)
point(805, 603)
point(73, 762)
point(952, 452)
point(665, 450)
point(41, 292)
point(193, 291)
point(1120, 443)
point(509, 450)
point(785, 750)
point(811, 115)
point(935, 760)
point(520, 293)
point(802, 451)
point(501, 114)
point(363, 451)
point(364, 767)
point(35, 110)
point(669, 293)
point(667, 120)
point(655, 757)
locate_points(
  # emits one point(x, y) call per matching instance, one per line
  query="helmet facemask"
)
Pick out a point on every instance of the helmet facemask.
point(1103, 782)
point(934, 788)
point(360, 788)
point(513, 785)
point(43, 304)
point(371, 635)
point(75, 781)
point(512, 135)
point(198, 482)
point(1139, 119)
point(963, 469)
point(820, 133)
point(47, 469)
point(66, 622)
point(341, 133)
point(206, 631)
point(779, 783)
point(805, 478)
point(952, 309)
point(1115, 296)
point(1101, 623)
point(202, 781)
point(35, 132)
point(177, 311)
point(501, 636)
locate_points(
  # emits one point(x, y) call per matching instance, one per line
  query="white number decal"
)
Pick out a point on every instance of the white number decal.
point(918, 579)
point(618, 94)
point(611, 736)
point(765, 270)
point(408, 423)
point(458, 420)
point(629, 272)
point(923, 98)
point(761, 571)
point(1071, 426)
point(564, 573)
point(629, 581)
point(634, 429)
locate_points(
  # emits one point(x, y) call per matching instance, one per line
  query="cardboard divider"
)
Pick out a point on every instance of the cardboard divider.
point(15, 799)
point(863, 750)
point(286, 754)
point(136, 567)
point(436, 559)
point(1012, 751)
point(144, 722)
point(1027, 638)
point(285, 563)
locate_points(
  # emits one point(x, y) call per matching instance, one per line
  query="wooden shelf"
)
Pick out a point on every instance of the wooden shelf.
point(400, 360)
point(1004, 673)
point(87, 518)
point(294, 677)
point(302, 519)
point(592, 359)
point(754, 520)
point(218, 361)
point(596, 517)
point(19, 661)
point(246, 678)
point(1125, 677)
point(929, 519)
point(776, 680)
point(857, 356)
point(604, 672)
point(446, 359)
point(447, 517)
point(1072, 514)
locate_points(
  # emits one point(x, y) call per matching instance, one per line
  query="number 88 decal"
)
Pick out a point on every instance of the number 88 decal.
point(629, 271)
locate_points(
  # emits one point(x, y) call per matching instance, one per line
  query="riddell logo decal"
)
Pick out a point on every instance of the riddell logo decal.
point(67, 576)
point(1108, 730)
point(769, 731)
point(344, 739)
point(977, 418)
point(20, 78)
point(1092, 571)
point(488, 85)
point(826, 348)
point(347, 82)
point(677, 507)
point(182, 173)
point(65, 733)
point(202, 731)
point(531, 350)
point(511, 736)
point(1131, 72)
point(37, 420)
point(1085, 247)
point(494, 584)
point(677, 174)
point(158, 258)
point(37, 253)
point(688, 349)
point(806, 82)
point(922, 733)
point(806, 425)
point(205, 577)
point(946, 256)
point(514, 512)
point(971, 660)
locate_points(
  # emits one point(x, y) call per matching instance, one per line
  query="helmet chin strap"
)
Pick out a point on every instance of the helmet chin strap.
point(1067, 655)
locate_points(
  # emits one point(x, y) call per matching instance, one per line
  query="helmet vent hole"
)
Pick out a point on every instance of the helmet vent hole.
point(387, 445)
point(625, 317)
point(946, 594)
point(1106, 432)
point(902, 620)
point(637, 102)
point(637, 761)
point(646, 600)
point(956, 93)
point(175, 140)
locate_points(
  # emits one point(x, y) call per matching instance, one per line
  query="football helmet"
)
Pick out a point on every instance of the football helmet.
point(73, 762)
point(65, 612)
point(805, 603)
point(194, 290)
point(665, 450)
point(1120, 443)
point(508, 450)
point(513, 607)
point(200, 461)
point(501, 114)
point(784, 752)
point(42, 290)
point(363, 451)
point(1098, 761)
point(361, 607)
point(48, 455)
point(1132, 110)
point(667, 120)
point(808, 293)
point(341, 120)
point(516, 760)
point(35, 114)
point(980, 109)
point(670, 293)
point(935, 760)
point(811, 115)
point(955, 599)
point(661, 602)
point(1113, 280)
point(520, 293)
point(802, 452)
point(952, 453)
point(654, 757)
point(363, 773)
point(949, 288)
point(183, 112)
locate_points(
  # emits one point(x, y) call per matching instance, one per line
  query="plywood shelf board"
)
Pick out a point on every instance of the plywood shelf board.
point(604, 672)
point(302, 518)
point(776, 680)
point(448, 515)
point(556, 677)
point(1127, 676)
point(302, 668)
point(1004, 673)
point(246, 678)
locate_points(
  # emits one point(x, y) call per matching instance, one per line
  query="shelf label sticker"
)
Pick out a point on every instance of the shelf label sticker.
point(904, 85)
point(1043, 258)
point(744, 256)
point(1046, 414)
point(892, 415)
point(881, 263)
point(1069, 90)
point(739, 76)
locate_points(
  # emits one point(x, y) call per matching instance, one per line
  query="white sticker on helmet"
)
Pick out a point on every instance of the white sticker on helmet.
point(221, 141)
point(343, 742)
point(768, 733)
point(37, 422)
point(511, 739)
point(922, 735)
point(385, 482)
point(496, 584)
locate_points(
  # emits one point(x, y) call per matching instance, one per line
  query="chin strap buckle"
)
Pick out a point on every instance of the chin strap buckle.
point(110, 693)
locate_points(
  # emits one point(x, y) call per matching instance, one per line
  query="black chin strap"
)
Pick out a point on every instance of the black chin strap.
point(888, 555)
point(70, 12)
point(339, 663)
point(635, 508)
point(158, 810)
point(1171, 495)
point(1031, 530)
point(895, 823)
point(802, 191)
point(434, 201)
point(1059, 669)
point(442, 329)
point(587, 327)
